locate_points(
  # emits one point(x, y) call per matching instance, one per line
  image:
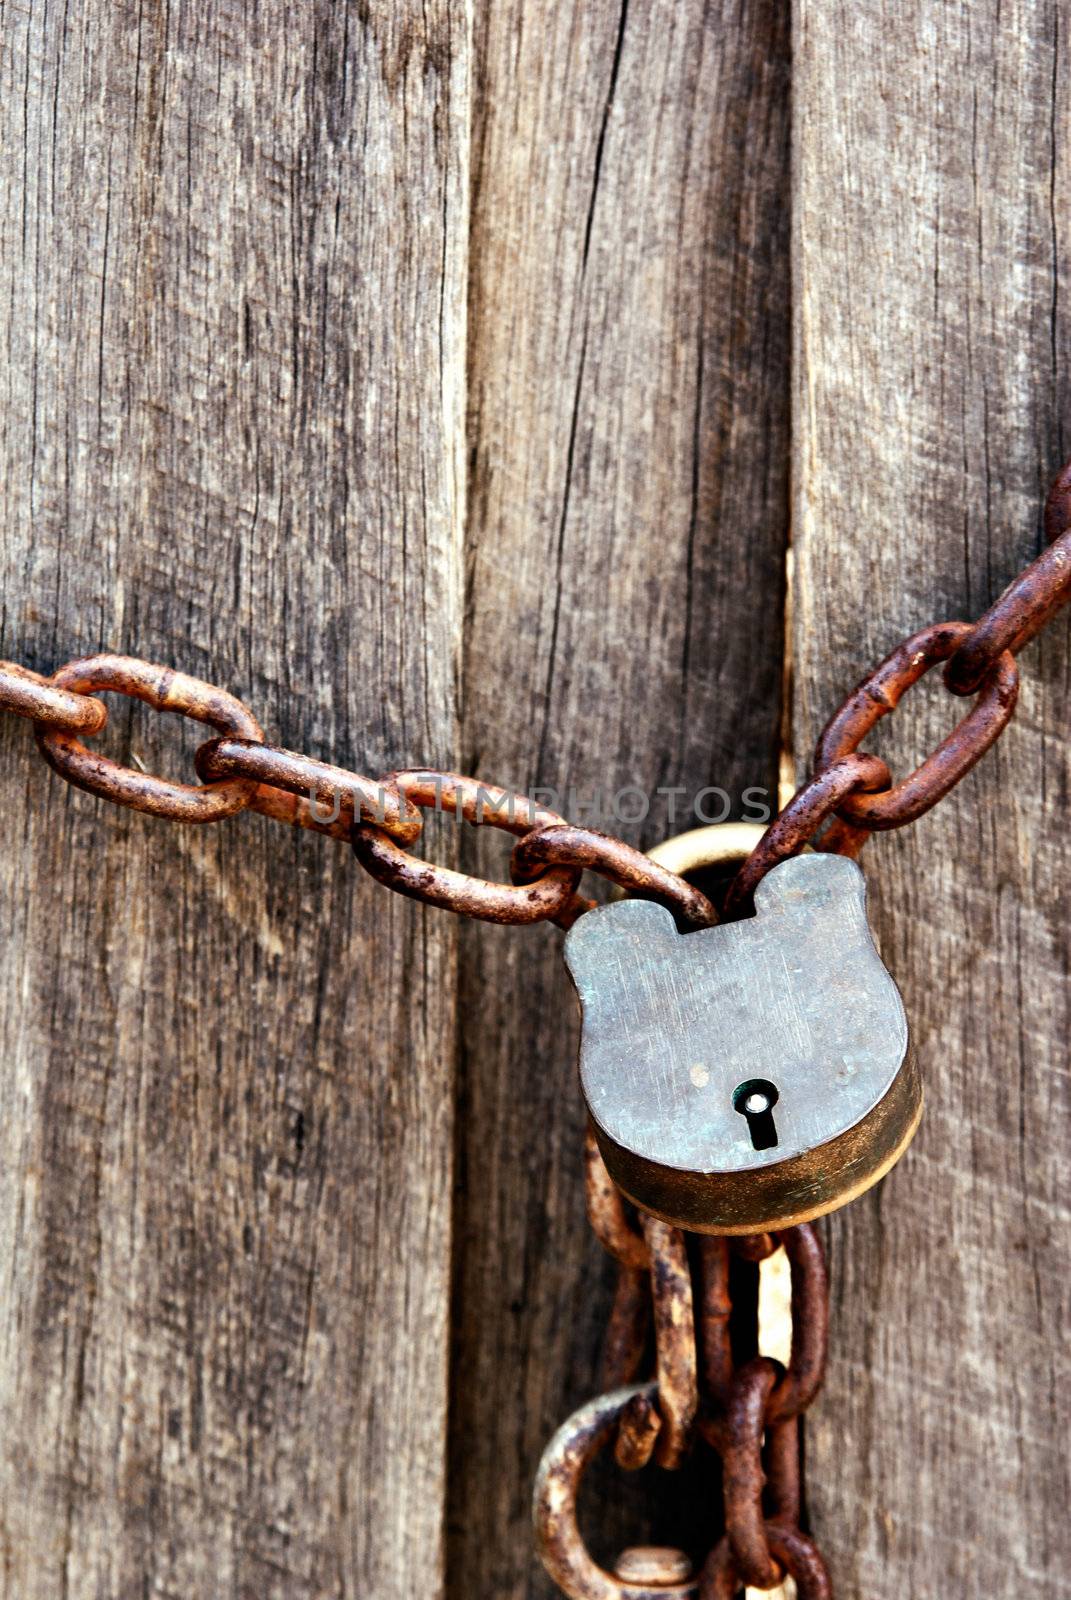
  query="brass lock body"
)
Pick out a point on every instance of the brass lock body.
point(749, 1076)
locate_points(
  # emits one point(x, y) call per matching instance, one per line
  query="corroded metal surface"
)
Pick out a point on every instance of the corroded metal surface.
point(880, 693)
point(30, 695)
point(554, 1514)
point(164, 690)
point(550, 895)
point(811, 806)
point(746, 1408)
point(979, 656)
point(331, 787)
point(796, 998)
point(849, 794)
point(795, 1554)
point(629, 869)
point(675, 1351)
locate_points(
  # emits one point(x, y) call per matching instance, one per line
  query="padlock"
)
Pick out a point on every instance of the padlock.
point(752, 1075)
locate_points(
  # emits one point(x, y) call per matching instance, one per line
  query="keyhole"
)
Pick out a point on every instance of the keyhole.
point(755, 1100)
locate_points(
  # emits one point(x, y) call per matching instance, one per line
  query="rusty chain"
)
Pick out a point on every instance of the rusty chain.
point(979, 657)
point(748, 1413)
point(702, 1393)
point(381, 819)
point(850, 793)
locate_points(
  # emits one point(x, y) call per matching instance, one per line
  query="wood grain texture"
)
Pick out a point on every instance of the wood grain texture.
point(932, 396)
point(628, 486)
point(233, 258)
point(482, 460)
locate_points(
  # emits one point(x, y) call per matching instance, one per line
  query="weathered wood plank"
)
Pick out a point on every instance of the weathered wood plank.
point(233, 250)
point(931, 397)
point(628, 436)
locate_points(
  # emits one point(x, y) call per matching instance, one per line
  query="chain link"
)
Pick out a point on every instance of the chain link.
point(164, 690)
point(880, 693)
point(28, 694)
point(346, 795)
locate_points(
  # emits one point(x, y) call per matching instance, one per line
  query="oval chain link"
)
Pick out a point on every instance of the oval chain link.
point(880, 693)
point(552, 895)
point(164, 690)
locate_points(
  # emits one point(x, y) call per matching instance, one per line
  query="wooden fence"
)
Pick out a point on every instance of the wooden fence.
point(445, 381)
